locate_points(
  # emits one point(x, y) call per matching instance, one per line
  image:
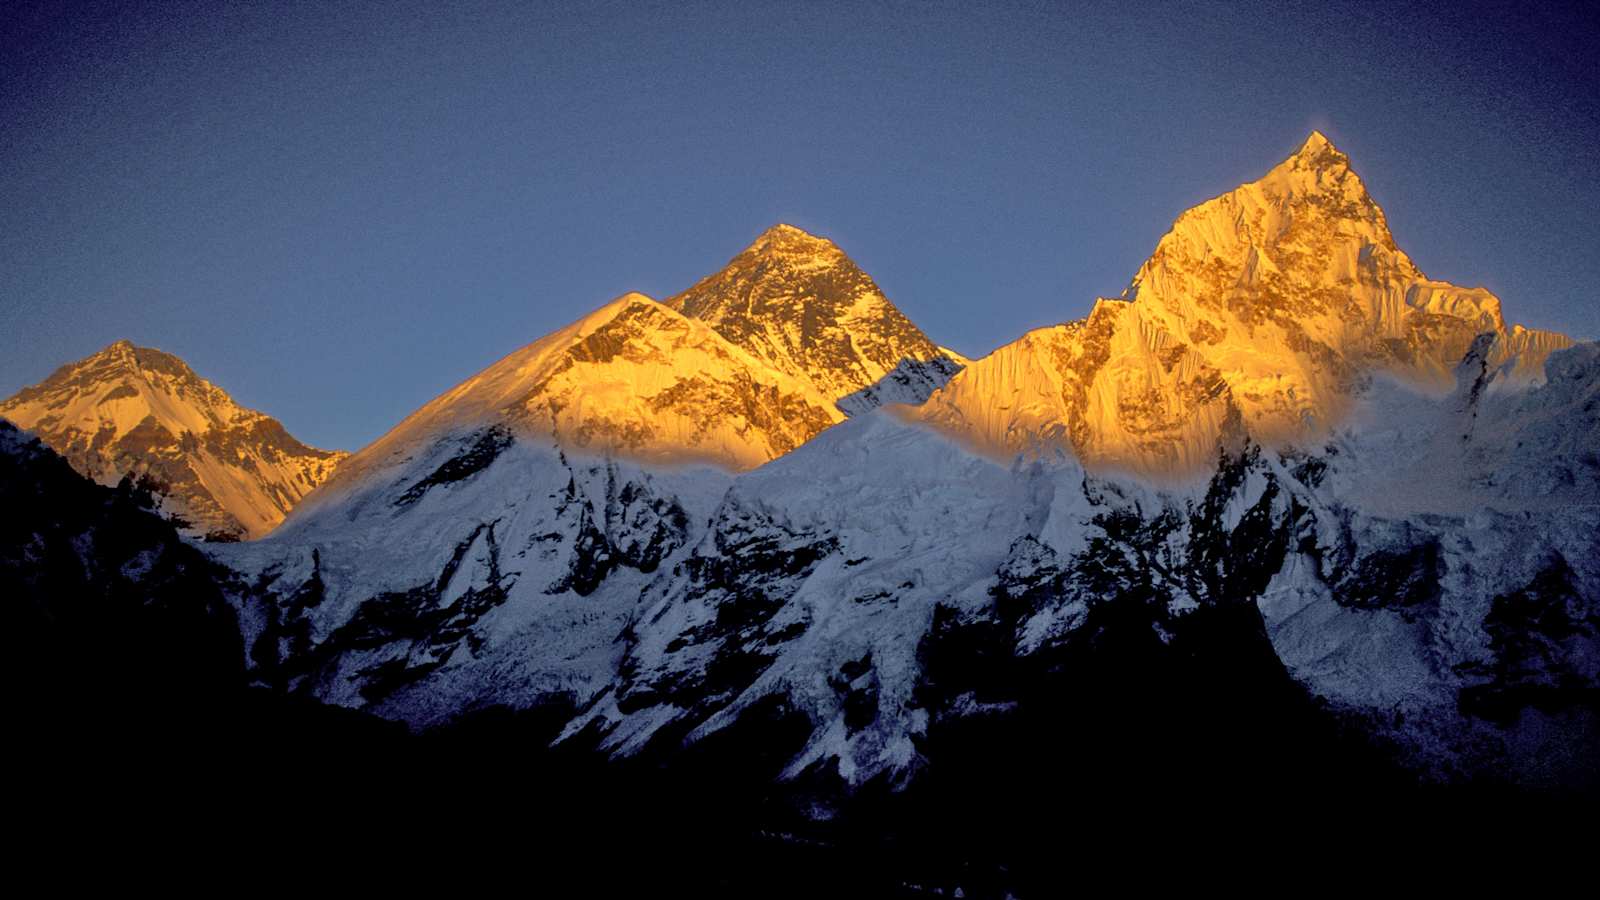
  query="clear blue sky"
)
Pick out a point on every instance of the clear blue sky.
point(336, 211)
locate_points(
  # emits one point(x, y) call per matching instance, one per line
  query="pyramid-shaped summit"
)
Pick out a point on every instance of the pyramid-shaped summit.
point(798, 302)
point(130, 410)
point(1318, 148)
point(1275, 301)
point(788, 240)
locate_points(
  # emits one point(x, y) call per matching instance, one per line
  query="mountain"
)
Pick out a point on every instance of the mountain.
point(747, 365)
point(644, 574)
point(743, 367)
point(635, 378)
point(134, 411)
point(888, 589)
point(795, 301)
point(648, 546)
point(1280, 298)
point(1415, 564)
point(125, 637)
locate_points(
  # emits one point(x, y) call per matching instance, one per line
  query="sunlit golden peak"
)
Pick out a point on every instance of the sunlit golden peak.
point(787, 238)
point(124, 354)
point(131, 356)
point(1315, 142)
point(123, 349)
point(632, 298)
point(784, 229)
point(1317, 153)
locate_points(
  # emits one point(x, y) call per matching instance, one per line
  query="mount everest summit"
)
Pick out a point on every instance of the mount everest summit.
point(772, 497)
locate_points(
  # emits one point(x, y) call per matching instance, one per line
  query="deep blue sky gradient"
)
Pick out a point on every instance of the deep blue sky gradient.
point(336, 211)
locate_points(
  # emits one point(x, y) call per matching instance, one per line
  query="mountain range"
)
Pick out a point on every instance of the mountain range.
point(1284, 461)
point(1282, 298)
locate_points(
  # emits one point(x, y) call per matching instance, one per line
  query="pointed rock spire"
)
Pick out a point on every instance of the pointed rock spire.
point(1314, 143)
point(1317, 167)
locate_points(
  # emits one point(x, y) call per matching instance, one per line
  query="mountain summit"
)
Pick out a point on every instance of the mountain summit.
point(1319, 152)
point(1278, 300)
point(136, 411)
point(745, 366)
point(797, 302)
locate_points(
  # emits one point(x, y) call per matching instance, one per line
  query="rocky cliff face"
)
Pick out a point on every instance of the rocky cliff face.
point(134, 411)
point(1281, 298)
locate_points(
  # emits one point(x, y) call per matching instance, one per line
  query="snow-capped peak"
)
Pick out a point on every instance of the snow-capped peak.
point(130, 410)
point(1320, 165)
point(1318, 151)
point(1281, 298)
point(797, 302)
point(789, 241)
